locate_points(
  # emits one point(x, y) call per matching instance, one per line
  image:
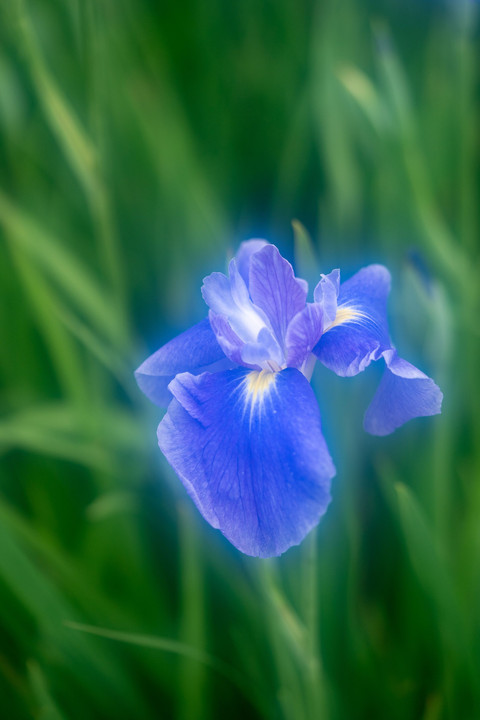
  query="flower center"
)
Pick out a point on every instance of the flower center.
point(258, 383)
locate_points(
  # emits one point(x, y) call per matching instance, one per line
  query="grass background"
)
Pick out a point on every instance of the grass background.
point(141, 142)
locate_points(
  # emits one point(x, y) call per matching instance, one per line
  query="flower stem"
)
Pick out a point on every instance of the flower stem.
point(314, 680)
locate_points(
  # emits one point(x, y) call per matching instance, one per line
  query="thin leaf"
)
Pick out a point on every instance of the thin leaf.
point(306, 261)
point(165, 645)
point(47, 707)
point(77, 284)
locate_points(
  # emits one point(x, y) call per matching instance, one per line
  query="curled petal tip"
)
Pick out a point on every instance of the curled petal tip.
point(404, 393)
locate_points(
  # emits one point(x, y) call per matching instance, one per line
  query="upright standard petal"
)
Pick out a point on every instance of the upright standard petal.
point(303, 333)
point(244, 254)
point(227, 338)
point(326, 294)
point(228, 297)
point(359, 333)
point(404, 393)
point(242, 329)
point(193, 351)
point(248, 446)
point(275, 289)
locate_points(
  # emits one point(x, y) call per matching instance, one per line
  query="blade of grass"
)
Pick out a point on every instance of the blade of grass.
point(192, 679)
point(435, 229)
point(165, 645)
point(47, 708)
point(76, 282)
point(364, 92)
point(59, 429)
point(315, 681)
point(62, 350)
point(306, 261)
point(435, 576)
point(78, 148)
point(288, 637)
point(100, 674)
point(466, 16)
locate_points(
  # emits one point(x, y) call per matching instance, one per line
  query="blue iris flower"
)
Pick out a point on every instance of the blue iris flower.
point(242, 430)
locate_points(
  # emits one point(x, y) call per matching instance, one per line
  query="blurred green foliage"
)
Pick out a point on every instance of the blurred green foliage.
point(140, 142)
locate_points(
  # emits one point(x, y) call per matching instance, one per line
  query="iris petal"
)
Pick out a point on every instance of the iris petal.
point(359, 333)
point(244, 254)
point(229, 298)
point(249, 449)
point(303, 333)
point(194, 350)
point(404, 393)
point(326, 294)
point(227, 338)
point(265, 353)
point(275, 289)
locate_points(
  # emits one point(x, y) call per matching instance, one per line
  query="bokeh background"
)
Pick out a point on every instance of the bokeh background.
point(140, 142)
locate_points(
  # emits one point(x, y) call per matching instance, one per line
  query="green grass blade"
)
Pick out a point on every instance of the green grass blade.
point(47, 708)
point(78, 147)
point(307, 265)
point(163, 644)
point(77, 284)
